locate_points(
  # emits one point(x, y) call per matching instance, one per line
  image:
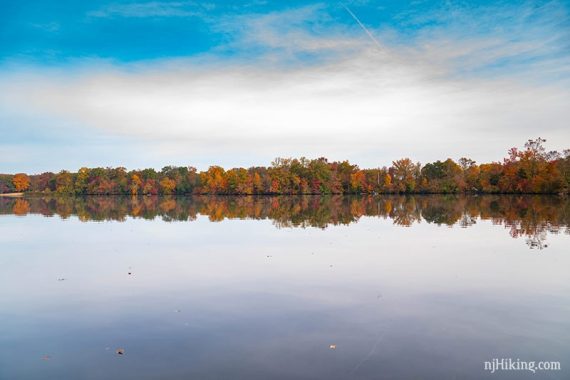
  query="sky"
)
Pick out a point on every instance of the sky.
point(238, 83)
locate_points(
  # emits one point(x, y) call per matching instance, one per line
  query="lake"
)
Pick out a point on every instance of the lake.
point(379, 287)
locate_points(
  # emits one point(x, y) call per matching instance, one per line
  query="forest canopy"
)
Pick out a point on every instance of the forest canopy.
point(532, 169)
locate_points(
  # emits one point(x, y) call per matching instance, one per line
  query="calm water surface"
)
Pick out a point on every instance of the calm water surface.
point(261, 288)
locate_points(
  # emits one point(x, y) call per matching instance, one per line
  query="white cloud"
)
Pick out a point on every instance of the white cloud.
point(149, 9)
point(428, 98)
point(51, 27)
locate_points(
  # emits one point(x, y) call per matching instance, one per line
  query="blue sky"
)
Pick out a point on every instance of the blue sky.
point(56, 32)
point(152, 83)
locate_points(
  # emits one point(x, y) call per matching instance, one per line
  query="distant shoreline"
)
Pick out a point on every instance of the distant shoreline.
point(30, 195)
point(12, 195)
point(532, 170)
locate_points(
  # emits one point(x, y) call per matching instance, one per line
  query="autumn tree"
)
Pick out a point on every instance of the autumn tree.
point(470, 172)
point(167, 185)
point(320, 174)
point(4, 188)
point(214, 180)
point(81, 181)
point(405, 173)
point(239, 181)
point(64, 183)
point(357, 181)
point(446, 177)
point(21, 182)
point(44, 182)
point(136, 184)
point(256, 183)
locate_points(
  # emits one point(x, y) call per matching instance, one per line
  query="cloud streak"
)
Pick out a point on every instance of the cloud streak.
point(363, 27)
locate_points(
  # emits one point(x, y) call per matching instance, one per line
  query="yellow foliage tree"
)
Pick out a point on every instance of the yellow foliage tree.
point(168, 185)
point(136, 184)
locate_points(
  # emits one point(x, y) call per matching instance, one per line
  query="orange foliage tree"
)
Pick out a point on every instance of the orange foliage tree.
point(21, 182)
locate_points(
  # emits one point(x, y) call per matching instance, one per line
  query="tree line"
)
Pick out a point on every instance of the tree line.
point(532, 169)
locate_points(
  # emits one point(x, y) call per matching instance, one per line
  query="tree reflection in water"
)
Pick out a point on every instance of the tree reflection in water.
point(530, 217)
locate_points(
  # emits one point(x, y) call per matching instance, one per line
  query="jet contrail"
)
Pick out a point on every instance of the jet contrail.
point(363, 27)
